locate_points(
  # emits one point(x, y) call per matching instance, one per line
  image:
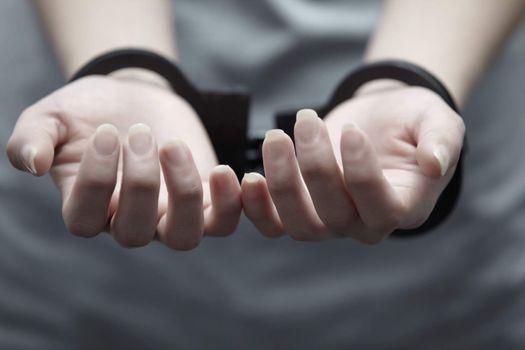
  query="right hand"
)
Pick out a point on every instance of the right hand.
point(98, 139)
point(378, 162)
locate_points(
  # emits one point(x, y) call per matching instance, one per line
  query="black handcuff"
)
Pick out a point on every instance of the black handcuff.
point(224, 114)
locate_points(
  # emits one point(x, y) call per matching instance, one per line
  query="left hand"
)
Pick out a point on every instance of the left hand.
point(377, 163)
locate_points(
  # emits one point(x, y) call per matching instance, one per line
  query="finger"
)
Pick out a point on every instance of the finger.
point(135, 220)
point(287, 189)
point(322, 175)
point(439, 138)
point(181, 227)
point(224, 214)
point(377, 203)
point(258, 205)
point(86, 202)
point(31, 146)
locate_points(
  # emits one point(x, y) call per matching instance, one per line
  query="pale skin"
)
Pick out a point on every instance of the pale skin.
point(135, 193)
point(84, 133)
point(381, 159)
point(142, 171)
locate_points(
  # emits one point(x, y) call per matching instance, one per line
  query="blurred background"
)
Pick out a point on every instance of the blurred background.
point(462, 285)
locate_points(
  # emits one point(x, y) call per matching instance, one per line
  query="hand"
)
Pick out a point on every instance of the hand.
point(98, 138)
point(396, 152)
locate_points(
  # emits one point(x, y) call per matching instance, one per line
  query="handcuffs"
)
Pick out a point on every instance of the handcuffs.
point(224, 114)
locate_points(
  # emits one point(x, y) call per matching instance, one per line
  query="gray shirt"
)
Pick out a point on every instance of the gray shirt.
point(459, 287)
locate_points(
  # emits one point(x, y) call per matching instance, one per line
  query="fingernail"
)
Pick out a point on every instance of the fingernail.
point(28, 158)
point(106, 139)
point(349, 126)
point(140, 139)
point(252, 178)
point(308, 126)
point(270, 134)
point(176, 151)
point(272, 149)
point(223, 169)
point(355, 138)
point(443, 157)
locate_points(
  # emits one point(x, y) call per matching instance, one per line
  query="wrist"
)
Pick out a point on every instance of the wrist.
point(143, 76)
point(379, 85)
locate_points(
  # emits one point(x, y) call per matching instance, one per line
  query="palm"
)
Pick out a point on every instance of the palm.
point(98, 100)
point(391, 122)
point(377, 163)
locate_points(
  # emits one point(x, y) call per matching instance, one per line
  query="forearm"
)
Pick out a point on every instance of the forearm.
point(82, 29)
point(455, 40)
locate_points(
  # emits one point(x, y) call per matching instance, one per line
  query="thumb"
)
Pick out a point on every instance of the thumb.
point(31, 146)
point(439, 140)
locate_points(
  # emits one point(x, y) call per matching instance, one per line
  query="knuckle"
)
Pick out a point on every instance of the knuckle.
point(190, 191)
point(142, 185)
point(279, 186)
point(99, 182)
point(312, 169)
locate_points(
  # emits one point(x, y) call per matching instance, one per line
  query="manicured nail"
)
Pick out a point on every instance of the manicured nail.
point(222, 169)
point(106, 139)
point(252, 178)
point(349, 126)
point(270, 134)
point(352, 138)
point(28, 158)
point(443, 157)
point(176, 151)
point(140, 139)
point(273, 150)
point(308, 126)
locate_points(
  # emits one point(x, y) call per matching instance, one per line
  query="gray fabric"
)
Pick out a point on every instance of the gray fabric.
point(461, 287)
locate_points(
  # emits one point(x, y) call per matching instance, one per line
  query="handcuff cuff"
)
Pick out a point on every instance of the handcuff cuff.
point(224, 114)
